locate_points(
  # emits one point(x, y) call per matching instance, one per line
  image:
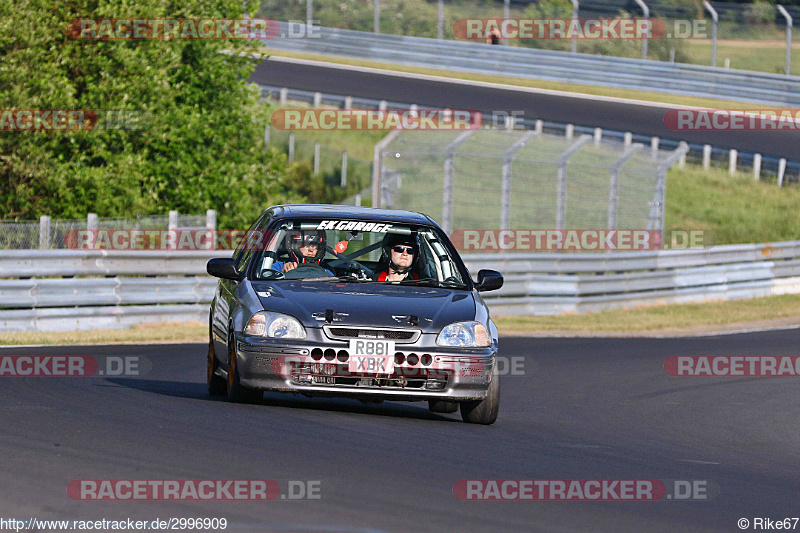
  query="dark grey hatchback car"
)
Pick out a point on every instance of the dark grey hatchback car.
point(340, 323)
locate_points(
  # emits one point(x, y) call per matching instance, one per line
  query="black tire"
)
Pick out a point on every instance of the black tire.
point(442, 406)
point(238, 393)
point(484, 411)
point(215, 383)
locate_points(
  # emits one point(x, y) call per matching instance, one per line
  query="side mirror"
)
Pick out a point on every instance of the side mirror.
point(489, 280)
point(223, 267)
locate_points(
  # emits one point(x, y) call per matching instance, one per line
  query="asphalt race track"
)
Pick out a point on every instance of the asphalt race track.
point(612, 115)
point(583, 409)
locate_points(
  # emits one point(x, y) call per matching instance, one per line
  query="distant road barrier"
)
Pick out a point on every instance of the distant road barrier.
point(607, 71)
point(62, 290)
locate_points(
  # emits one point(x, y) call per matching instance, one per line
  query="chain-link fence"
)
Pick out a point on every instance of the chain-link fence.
point(47, 233)
point(340, 177)
point(511, 179)
point(749, 36)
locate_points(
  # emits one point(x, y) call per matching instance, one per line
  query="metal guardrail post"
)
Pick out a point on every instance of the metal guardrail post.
point(732, 157)
point(505, 188)
point(44, 232)
point(377, 166)
point(613, 180)
point(376, 17)
point(788, 18)
point(561, 210)
point(646, 11)
point(91, 221)
point(291, 147)
point(211, 219)
point(316, 158)
point(447, 182)
point(656, 216)
point(781, 171)
point(343, 181)
point(308, 13)
point(172, 226)
point(714, 28)
point(266, 134)
point(757, 167)
point(440, 21)
point(575, 7)
point(507, 14)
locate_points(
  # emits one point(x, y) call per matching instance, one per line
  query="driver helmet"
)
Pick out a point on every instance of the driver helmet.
point(391, 240)
point(298, 239)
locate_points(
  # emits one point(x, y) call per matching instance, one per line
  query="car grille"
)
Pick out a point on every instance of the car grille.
point(330, 367)
point(400, 336)
point(328, 374)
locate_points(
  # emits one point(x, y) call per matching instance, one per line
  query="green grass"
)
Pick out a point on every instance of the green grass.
point(151, 333)
point(665, 317)
point(758, 55)
point(735, 209)
point(357, 144)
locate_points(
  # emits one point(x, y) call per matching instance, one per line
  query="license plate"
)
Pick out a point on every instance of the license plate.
point(369, 356)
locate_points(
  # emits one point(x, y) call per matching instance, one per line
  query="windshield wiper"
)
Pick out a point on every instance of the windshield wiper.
point(344, 279)
point(445, 283)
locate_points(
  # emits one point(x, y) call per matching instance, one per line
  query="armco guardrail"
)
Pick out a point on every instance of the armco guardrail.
point(172, 286)
point(544, 284)
point(136, 288)
point(674, 78)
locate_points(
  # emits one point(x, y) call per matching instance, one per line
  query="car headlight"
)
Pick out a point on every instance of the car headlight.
point(275, 326)
point(465, 334)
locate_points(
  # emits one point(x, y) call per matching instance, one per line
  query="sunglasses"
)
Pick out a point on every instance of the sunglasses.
point(400, 249)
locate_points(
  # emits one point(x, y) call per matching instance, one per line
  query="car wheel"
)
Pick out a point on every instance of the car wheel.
point(484, 411)
point(442, 406)
point(237, 392)
point(216, 384)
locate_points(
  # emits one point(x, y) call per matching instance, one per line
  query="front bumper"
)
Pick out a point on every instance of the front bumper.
point(319, 367)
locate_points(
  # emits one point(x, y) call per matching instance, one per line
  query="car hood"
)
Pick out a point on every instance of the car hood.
point(367, 304)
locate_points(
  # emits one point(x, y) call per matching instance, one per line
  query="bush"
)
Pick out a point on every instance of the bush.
point(202, 144)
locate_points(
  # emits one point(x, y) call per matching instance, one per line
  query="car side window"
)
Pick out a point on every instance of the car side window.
point(240, 249)
point(254, 241)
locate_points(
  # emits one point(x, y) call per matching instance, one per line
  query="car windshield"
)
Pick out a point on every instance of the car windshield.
point(359, 251)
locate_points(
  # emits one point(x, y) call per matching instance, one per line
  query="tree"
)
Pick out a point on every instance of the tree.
point(200, 142)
